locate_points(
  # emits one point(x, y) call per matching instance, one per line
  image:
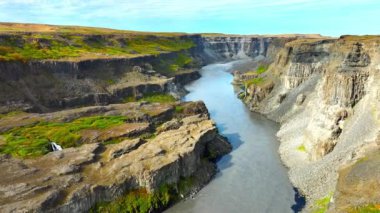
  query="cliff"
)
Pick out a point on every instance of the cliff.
point(324, 92)
point(108, 98)
point(83, 80)
point(154, 150)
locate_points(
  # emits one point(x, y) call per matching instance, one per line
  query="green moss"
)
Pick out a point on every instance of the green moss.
point(142, 201)
point(179, 109)
point(185, 185)
point(136, 201)
point(261, 69)
point(253, 81)
point(301, 148)
point(151, 98)
point(10, 114)
point(241, 95)
point(158, 98)
point(180, 62)
point(38, 46)
point(129, 99)
point(322, 204)
point(372, 208)
point(33, 140)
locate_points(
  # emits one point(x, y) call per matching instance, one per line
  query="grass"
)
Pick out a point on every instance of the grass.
point(9, 28)
point(10, 114)
point(181, 61)
point(171, 66)
point(179, 109)
point(241, 95)
point(253, 81)
point(185, 185)
point(142, 201)
point(136, 201)
point(261, 69)
point(129, 99)
point(322, 204)
point(158, 98)
point(33, 140)
point(39, 46)
point(151, 98)
point(301, 148)
point(372, 208)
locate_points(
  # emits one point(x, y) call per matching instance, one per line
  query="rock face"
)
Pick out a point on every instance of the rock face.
point(78, 83)
point(356, 184)
point(74, 179)
point(225, 47)
point(324, 92)
point(326, 95)
point(100, 81)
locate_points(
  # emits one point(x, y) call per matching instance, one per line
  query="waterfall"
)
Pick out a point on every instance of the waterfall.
point(241, 53)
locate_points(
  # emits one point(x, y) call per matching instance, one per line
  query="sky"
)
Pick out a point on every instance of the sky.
point(326, 17)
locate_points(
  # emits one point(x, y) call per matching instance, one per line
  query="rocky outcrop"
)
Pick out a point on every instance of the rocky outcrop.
point(75, 82)
point(356, 184)
point(76, 178)
point(227, 47)
point(325, 95)
point(94, 81)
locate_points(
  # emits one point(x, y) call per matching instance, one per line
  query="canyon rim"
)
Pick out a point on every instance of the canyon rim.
point(112, 100)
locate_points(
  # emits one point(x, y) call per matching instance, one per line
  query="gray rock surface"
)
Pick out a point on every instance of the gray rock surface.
point(74, 179)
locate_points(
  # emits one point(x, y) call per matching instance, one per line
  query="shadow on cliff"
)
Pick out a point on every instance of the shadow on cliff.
point(225, 161)
point(233, 138)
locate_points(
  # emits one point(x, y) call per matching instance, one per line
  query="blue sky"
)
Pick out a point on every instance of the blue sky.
point(327, 17)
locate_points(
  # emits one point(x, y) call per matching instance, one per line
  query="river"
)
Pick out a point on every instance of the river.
point(252, 177)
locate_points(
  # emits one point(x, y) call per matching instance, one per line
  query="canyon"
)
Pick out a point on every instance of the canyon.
point(323, 91)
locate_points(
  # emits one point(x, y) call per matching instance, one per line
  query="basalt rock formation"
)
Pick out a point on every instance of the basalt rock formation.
point(324, 92)
point(77, 178)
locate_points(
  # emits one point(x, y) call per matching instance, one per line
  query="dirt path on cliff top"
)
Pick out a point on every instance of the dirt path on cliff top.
point(251, 178)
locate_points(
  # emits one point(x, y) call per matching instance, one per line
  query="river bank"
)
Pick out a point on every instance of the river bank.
point(251, 178)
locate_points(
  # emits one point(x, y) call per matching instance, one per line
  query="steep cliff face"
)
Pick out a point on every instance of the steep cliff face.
point(99, 66)
point(228, 47)
point(184, 147)
point(50, 85)
point(326, 97)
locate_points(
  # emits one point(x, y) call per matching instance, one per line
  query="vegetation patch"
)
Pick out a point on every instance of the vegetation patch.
point(301, 148)
point(241, 95)
point(253, 81)
point(151, 98)
point(179, 109)
point(158, 98)
point(33, 140)
point(174, 65)
point(10, 114)
point(182, 61)
point(39, 46)
point(129, 99)
point(372, 208)
point(142, 201)
point(261, 69)
point(322, 204)
point(136, 201)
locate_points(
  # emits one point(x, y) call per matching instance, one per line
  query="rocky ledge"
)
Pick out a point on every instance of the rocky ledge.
point(325, 94)
point(157, 155)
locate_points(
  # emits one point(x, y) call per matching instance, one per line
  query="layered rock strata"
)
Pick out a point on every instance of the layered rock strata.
point(324, 92)
point(76, 178)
